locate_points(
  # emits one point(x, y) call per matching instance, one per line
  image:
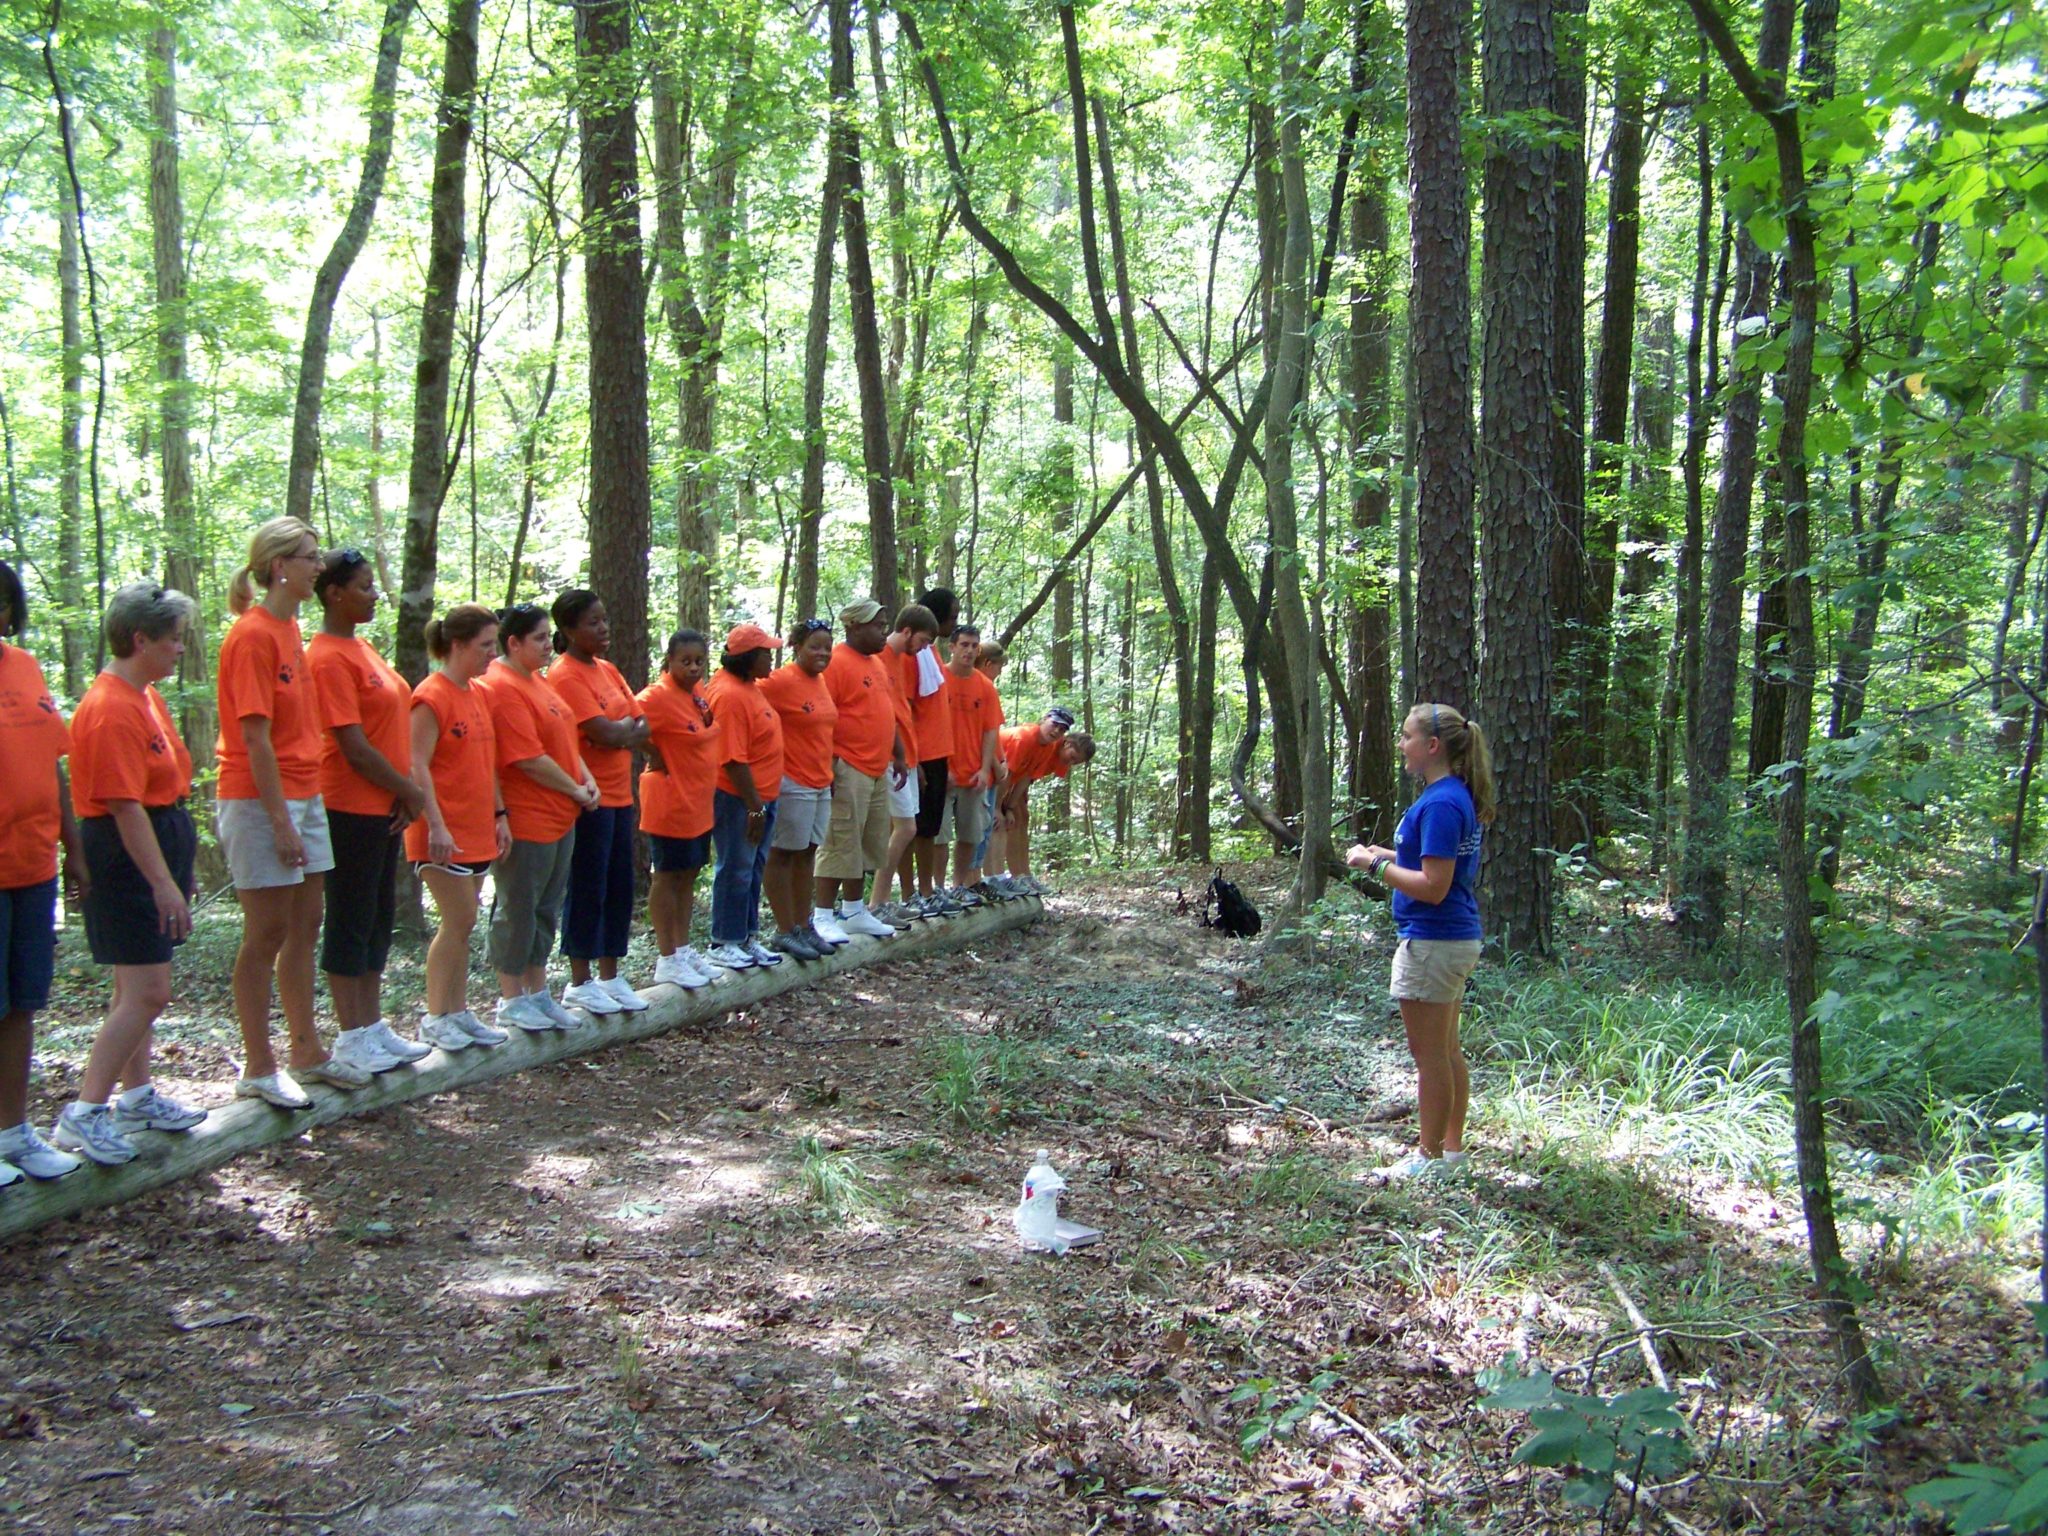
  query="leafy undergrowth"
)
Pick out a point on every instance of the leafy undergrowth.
point(762, 1277)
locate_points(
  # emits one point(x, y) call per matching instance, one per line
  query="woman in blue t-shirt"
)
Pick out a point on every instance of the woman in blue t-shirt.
point(1433, 871)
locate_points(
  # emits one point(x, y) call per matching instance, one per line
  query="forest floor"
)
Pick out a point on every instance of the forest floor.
point(761, 1277)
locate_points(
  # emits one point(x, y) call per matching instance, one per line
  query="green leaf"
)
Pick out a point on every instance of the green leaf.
point(1767, 229)
point(2029, 1507)
point(1522, 1394)
point(1588, 1492)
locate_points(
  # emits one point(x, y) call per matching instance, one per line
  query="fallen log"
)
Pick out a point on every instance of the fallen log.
point(242, 1125)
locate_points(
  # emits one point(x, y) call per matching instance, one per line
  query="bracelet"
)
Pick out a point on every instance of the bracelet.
point(503, 815)
point(1379, 864)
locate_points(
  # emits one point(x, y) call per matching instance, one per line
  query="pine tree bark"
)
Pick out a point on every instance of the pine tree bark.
point(427, 477)
point(1369, 662)
point(341, 257)
point(1518, 284)
point(183, 565)
point(1440, 339)
point(615, 304)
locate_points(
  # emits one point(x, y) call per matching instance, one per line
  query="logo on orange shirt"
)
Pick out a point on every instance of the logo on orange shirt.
point(284, 673)
point(459, 730)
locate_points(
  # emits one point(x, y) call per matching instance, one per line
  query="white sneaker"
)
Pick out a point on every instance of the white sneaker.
point(861, 920)
point(395, 1044)
point(155, 1111)
point(763, 956)
point(443, 1030)
point(523, 1013)
point(827, 927)
point(361, 1049)
point(9, 1175)
point(694, 959)
point(623, 994)
point(92, 1132)
point(277, 1090)
point(732, 957)
point(592, 996)
point(479, 1032)
point(555, 1013)
point(674, 971)
point(34, 1156)
point(1414, 1166)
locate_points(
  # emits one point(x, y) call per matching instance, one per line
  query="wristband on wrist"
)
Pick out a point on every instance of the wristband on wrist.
point(1379, 864)
point(502, 815)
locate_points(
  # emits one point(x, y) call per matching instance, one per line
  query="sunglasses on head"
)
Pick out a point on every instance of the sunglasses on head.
point(813, 627)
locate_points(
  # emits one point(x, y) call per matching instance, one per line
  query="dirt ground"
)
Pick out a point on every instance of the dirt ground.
point(762, 1278)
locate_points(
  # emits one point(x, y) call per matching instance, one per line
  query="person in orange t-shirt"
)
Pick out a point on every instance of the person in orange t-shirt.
point(685, 741)
point(868, 756)
point(744, 805)
point(130, 774)
point(916, 628)
point(597, 921)
point(803, 811)
point(546, 785)
point(977, 716)
point(1048, 749)
point(366, 784)
point(37, 816)
point(269, 815)
point(462, 825)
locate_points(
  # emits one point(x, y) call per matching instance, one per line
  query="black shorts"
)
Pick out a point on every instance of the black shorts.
point(931, 796)
point(362, 897)
point(678, 855)
point(121, 926)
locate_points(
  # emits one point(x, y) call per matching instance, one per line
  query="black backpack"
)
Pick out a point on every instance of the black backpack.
point(1234, 915)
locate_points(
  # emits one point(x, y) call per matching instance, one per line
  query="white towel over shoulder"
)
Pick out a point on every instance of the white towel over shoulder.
point(931, 677)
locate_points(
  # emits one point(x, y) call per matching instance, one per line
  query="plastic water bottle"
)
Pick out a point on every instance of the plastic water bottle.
point(1038, 1211)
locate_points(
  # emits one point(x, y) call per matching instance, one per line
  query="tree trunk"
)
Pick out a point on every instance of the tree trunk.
point(183, 548)
point(1579, 607)
point(1066, 491)
point(1518, 284)
point(1765, 92)
point(1634, 727)
point(817, 348)
point(341, 256)
point(867, 337)
point(1440, 340)
point(615, 302)
point(71, 447)
point(2006, 702)
point(1208, 599)
point(427, 478)
point(1369, 664)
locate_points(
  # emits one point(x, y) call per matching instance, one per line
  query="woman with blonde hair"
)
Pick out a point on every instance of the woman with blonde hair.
point(1433, 871)
point(269, 815)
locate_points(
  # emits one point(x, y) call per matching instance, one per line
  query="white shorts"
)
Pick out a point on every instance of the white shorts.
point(903, 802)
point(251, 847)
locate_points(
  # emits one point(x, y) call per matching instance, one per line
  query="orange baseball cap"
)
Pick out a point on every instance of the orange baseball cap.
point(750, 637)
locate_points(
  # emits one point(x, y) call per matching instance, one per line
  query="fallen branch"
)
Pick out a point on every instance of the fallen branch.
point(508, 1397)
point(1645, 1334)
point(1373, 1440)
point(246, 1124)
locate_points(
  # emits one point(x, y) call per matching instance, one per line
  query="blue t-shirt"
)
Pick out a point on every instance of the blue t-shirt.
point(1441, 824)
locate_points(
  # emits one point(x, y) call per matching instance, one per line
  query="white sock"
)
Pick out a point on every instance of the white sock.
point(824, 912)
point(88, 1108)
point(135, 1096)
point(856, 909)
point(1454, 1157)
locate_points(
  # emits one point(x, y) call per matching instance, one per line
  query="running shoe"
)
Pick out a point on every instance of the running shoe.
point(763, 956)
point(623, 994)
point(483, 1034)
point(25, 1150)
point(445, 1031)
point(154, 1111)
point(93, 1132)
point(592, 996)
point(395, 1044)
point(278, 1090)
point(360, 1050)
point(732, 956)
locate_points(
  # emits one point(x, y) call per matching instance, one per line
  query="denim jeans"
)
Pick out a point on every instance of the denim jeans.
point(981, 848)
point(597, 917)
point(736, 887)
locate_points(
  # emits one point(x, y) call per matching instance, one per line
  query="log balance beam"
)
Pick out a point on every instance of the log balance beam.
point(242, 1125)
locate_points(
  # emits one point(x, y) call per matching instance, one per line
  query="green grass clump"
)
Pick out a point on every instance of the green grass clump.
point(836, 1184)
point(977, 1080)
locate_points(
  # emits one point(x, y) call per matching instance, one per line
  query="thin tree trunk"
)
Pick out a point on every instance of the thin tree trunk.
point(427, 478)
point(1208, 599)
point(885, 586)
point(1579, 604)
point(183, 550)
point(1370, 664)
point(615, 301)
point(1440, 343)
point(2019, 549)
point(1066, 491)
point(1634, 725)
point(341, 256)
point(71, 447)
point(1518, 283)
point(817, 347)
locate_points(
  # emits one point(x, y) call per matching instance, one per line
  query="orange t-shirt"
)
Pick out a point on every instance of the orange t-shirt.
point(752, 731)
point(356, 686)
point(464, 770)
point(591, 689)
point(263, 673)
point(1030, 756)
point(931, 717)
point(901, 685)
point(866, 731)
point(682, 731)
point(32, 738)
point(976, 710)
point(809, 718)
point(532, 721)
point(124, 746)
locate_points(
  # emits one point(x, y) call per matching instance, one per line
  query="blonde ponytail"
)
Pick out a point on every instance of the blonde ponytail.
point(274, 541)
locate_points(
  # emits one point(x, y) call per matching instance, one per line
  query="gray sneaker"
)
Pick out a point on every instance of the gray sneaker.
point(92, 1131)
point(896, 915)
point(524, 1013)
point(395, 1044)
point(555, 1013)
point(478, 1031)
point(24, 1149)
point(338, 1072)
point(964, 896)
point(446, 1031)
point(155, 1111)
point(939, 904)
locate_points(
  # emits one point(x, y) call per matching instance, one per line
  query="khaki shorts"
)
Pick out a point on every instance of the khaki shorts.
point(243, 827)
point(858, 841)
point(1433, 970)
point(967, 816)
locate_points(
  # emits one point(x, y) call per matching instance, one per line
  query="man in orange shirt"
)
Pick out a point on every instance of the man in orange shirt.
point(977, 716)
point(866, 746)
point(1045, 750)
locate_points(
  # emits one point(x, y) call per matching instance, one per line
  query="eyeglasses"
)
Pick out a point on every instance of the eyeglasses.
point(520, 610)
point(814, 627)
